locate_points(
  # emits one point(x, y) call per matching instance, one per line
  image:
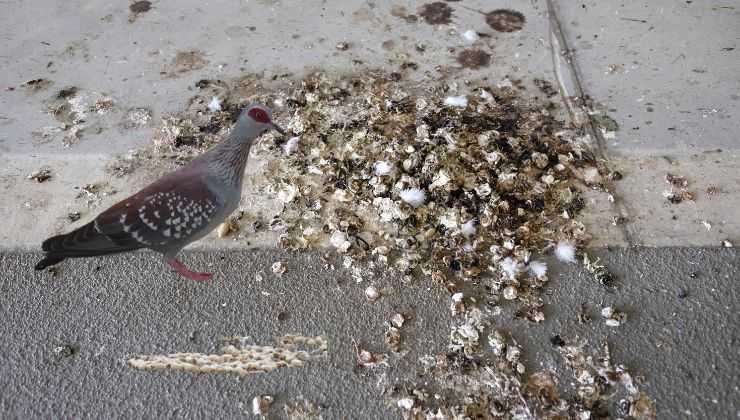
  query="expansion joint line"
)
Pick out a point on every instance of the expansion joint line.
point(572, 92)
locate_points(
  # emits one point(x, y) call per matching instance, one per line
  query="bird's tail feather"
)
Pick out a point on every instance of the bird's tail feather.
point(83, 242)
point(48, 262)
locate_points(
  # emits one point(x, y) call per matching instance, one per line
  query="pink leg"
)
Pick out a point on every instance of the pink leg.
point(185, 272)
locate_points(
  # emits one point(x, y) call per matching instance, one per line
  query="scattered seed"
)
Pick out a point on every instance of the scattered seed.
point(600, 273)
point(405, 403)
point(372, 294)
point(393, 339)
point(613, 318)
point(64, 350)
point(510, 293)
point(614, 176)
point(398, 320)
point(583, 315)
point(557, 341)
point(223, 229)
point(40, 176)
point(261, 405)
point(367, 358)
point(36, 85)
point(279, 268)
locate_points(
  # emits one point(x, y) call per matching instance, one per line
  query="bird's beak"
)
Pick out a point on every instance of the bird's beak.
point(278, 129)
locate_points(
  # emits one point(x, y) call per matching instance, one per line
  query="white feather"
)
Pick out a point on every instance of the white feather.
point(565, 252)
point(537, 269)
point(215, 104)
point(291, 145)
point(486, 95)
point(505, 83)
point(468, 228)
point(511, 267)
point(383, 167)
point(470, 36)
point(458, 101)
point(339, 240)
point(414, 196)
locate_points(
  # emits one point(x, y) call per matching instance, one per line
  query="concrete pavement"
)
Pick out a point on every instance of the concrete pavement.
point(680, 336)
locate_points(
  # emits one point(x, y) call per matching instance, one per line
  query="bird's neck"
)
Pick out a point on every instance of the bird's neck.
point(229, 158)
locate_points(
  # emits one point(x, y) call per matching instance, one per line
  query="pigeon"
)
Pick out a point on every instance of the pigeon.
point(179, 208)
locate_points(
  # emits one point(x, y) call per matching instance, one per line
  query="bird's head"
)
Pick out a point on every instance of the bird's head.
point(256, 119)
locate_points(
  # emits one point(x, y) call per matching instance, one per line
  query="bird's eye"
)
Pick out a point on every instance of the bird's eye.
point(259, 115)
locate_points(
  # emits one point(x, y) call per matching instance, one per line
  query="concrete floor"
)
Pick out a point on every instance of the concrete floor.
point(649, 89)
point(664, 71)
point(681, 334)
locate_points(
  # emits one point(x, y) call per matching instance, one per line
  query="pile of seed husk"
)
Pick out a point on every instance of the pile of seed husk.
point(464, 383)
point(498, 178)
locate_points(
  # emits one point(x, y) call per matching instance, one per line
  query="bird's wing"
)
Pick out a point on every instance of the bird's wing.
point(163, 216)
point(168, 211)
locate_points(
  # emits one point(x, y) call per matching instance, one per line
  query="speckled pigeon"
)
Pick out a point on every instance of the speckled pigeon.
point(179, 208)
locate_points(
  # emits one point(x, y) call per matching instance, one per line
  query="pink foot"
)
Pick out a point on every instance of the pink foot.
point(185, 272)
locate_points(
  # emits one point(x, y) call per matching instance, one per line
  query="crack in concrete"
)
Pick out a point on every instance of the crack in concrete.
point(567, 73)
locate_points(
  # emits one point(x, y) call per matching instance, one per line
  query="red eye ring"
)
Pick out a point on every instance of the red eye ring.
point(259, 115)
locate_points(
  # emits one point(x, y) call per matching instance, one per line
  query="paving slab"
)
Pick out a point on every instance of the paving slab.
point(151, 61)
point(663, 73)
point(666, 71)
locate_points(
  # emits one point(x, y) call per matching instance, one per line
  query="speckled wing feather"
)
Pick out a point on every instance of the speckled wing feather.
point(168, 213)
point(164, 216)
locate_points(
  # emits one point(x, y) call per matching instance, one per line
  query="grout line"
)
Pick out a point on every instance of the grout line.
point(562, 51)
point(568, 75)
